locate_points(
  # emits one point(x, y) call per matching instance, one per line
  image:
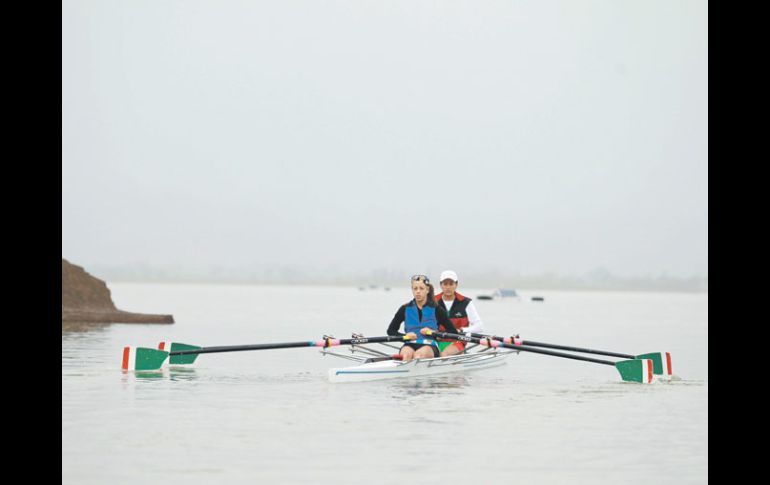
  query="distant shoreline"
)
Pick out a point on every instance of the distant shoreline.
point(527, 288)
point(599, 279)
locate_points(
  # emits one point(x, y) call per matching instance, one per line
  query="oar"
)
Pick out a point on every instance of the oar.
point(635, 370)
point(143, 358)
point(661, 361)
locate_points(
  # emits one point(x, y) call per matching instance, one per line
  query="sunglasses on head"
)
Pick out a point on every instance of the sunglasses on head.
point(420, 277)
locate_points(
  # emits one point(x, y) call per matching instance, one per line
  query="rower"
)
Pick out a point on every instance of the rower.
point(461, 311)
point(418, 316)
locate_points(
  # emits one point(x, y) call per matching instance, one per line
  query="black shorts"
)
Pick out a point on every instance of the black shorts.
point(416, 347)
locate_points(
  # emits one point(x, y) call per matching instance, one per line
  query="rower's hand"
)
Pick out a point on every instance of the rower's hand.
point(411, 336)
point(425, 331)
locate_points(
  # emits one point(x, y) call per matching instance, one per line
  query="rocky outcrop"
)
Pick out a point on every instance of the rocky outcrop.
point(85, 298)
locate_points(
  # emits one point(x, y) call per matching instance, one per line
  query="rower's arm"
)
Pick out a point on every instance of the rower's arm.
point(443, 319)
point(475, 325)
point(395, 324)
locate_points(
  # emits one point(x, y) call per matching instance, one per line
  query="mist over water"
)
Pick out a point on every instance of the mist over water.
point(326, 138)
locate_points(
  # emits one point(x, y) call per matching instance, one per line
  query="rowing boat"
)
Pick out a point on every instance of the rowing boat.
point(390, 367)
point(481, 352)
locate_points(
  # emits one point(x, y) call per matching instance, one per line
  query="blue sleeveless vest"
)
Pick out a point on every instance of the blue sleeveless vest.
point(412, 322)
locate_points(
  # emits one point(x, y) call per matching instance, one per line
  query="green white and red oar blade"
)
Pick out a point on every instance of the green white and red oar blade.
point(636, 370)
point(661, 364)
point(142, 358)
point(184, 359)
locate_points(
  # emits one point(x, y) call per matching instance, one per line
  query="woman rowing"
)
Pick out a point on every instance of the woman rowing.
point(419, 315)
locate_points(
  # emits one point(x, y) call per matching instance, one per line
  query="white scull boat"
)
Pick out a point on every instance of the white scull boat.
point(384, 366)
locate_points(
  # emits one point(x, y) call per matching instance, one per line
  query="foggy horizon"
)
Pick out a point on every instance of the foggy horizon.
point(379, 277)
point(343, 137)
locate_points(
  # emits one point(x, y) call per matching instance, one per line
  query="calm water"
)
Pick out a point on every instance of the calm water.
point(272, 417)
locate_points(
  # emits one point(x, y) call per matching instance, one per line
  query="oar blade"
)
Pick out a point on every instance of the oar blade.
point(176, 347)
point(636, 370)
point(142, 358)
point(661, 363)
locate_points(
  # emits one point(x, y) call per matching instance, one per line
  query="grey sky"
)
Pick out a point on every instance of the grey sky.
point(528, 136)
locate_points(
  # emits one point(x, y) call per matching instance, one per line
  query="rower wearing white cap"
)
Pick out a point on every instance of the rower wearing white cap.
point(461, 312)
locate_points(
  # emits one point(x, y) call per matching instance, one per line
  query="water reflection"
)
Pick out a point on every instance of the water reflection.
point(150, 374)
point(182, 373)
point(83, 327)
point(172, 373)
point(428, 385)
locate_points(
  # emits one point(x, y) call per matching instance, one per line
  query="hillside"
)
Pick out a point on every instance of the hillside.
point(85, 298)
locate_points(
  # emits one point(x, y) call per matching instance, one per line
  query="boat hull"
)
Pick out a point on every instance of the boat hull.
point(393, 369)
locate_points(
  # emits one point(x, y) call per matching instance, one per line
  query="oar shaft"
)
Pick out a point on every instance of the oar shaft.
point(239, 348)
point(577, 349)
point(532, 343)
point(328, 342)
point(523, 348)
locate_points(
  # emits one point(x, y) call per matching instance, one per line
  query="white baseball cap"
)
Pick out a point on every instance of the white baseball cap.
point(448, 274)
